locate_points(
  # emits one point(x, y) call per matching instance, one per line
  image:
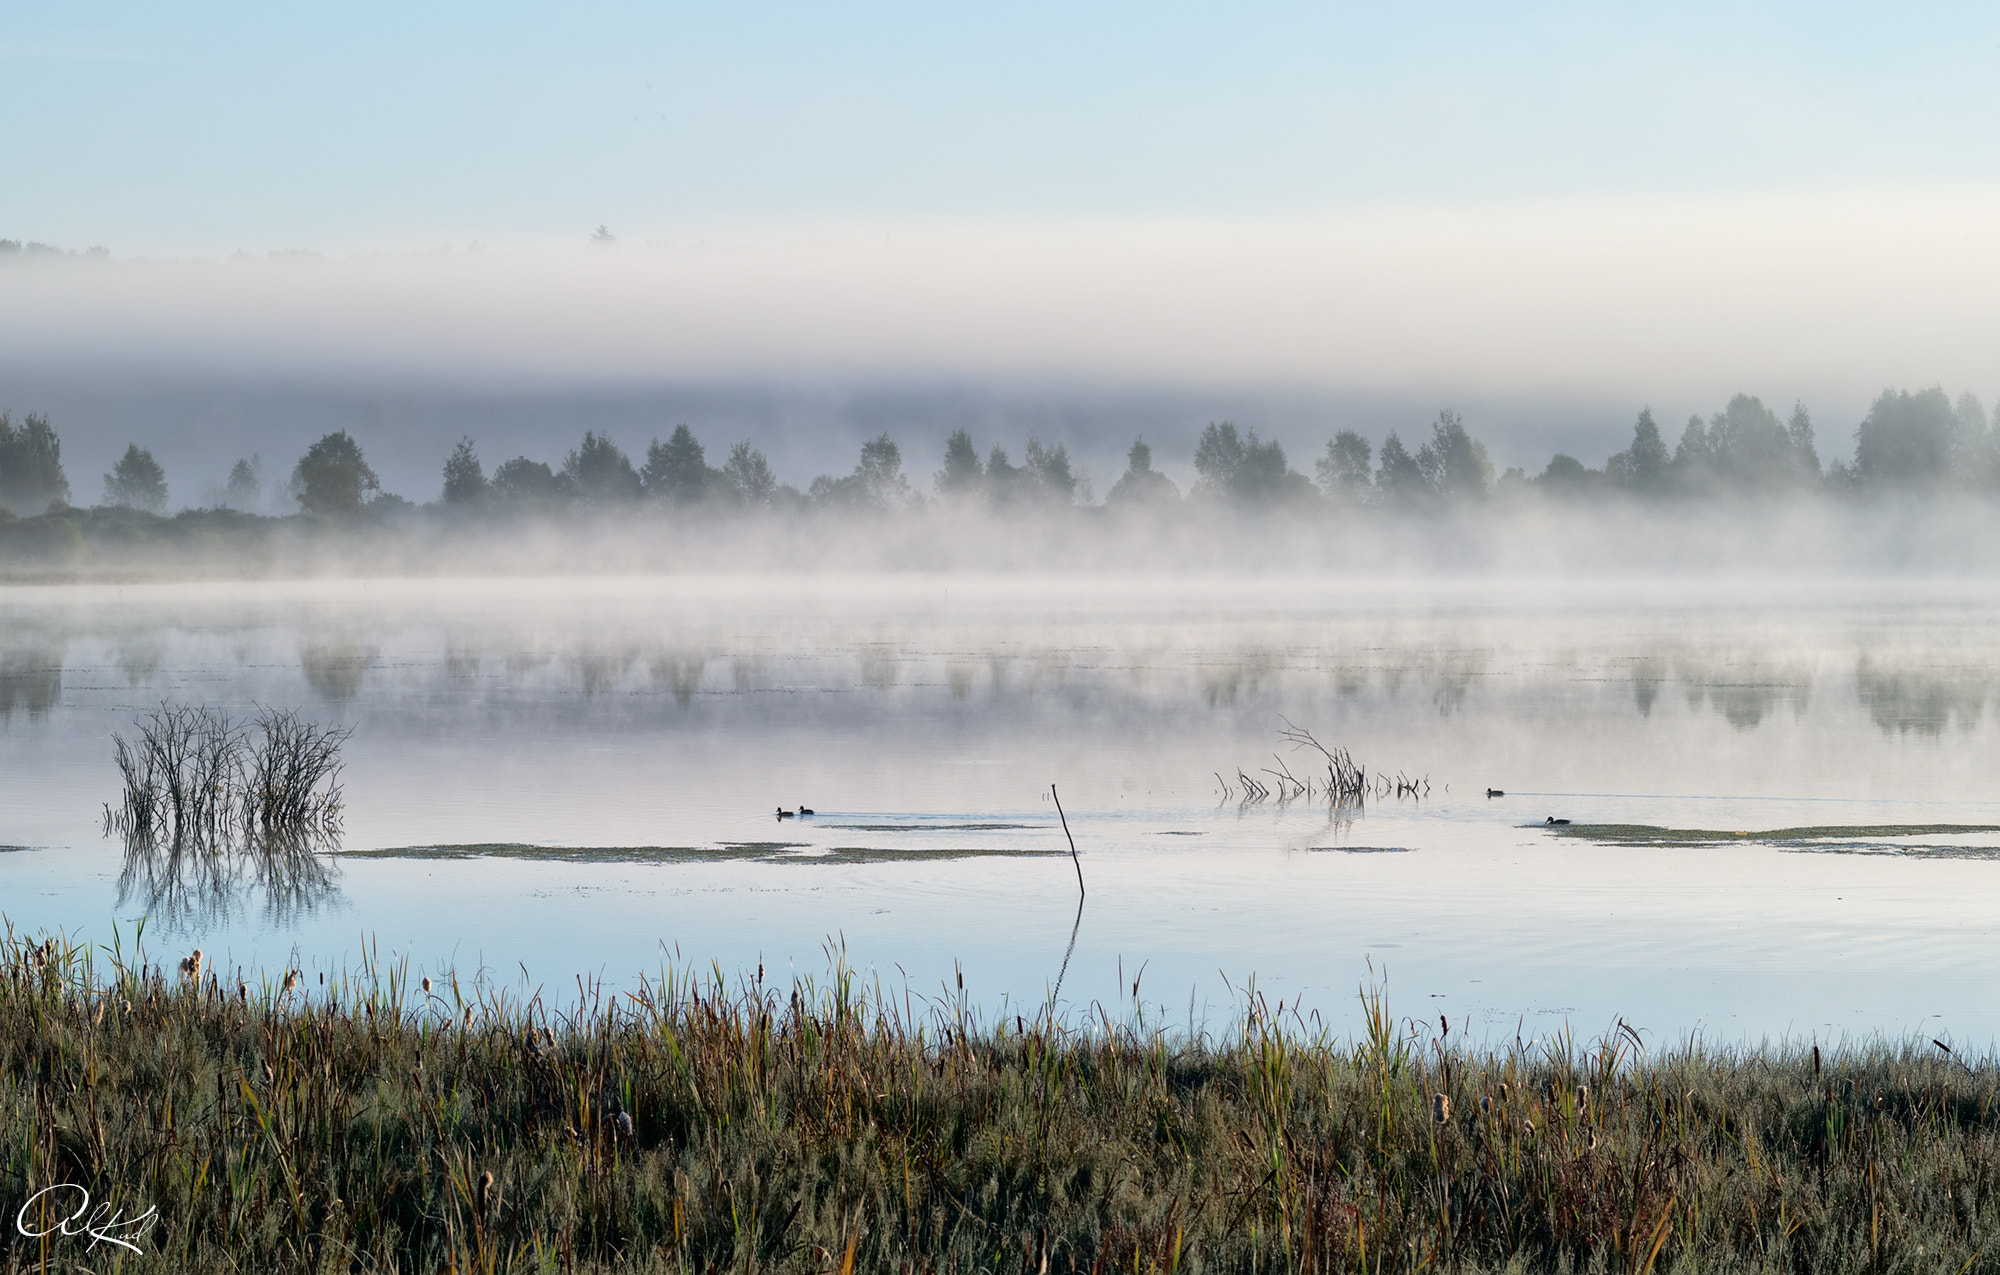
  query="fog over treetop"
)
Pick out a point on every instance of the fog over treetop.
point(1545, 323)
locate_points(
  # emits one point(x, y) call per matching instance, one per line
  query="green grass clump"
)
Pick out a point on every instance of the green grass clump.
point(366, 1125)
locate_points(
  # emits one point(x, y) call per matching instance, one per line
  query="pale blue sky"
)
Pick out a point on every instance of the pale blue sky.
point(205, 127)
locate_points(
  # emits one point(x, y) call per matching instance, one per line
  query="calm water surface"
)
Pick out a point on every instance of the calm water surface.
point(921, 716)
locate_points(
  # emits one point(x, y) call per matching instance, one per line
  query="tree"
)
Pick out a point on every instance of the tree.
point(332, 477)
point(1805, 451)
point(1397, 476)
point(1975, 449)
point(1693, 466)
point(245, 487)
point(962, 473)
point(677, 470)
point(1049, 477)
point(1642, 467)
point(877, 483)
point(136, 482)
point(31, 472)
point(1905, 441)
point(1752, 452)
point(1243, 469)
point(1141, 484)
point(1453, 462)
point(1343, 471)
point(1004, 479)
point(523, 480)
point(598, 473)
point(1567, 476)
point(464, 479)
point(750, 475)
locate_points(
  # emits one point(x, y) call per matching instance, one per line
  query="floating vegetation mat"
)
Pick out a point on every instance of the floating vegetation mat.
point(1359, 849)
point(929, 826)
point(1913, 840)
point(724, 852)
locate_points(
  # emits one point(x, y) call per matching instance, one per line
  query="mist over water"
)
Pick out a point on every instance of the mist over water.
point(608, 753)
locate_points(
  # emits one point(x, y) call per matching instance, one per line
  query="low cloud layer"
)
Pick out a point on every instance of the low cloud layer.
point(1540, 306)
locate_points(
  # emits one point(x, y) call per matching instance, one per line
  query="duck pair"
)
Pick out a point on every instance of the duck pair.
point(791, 814)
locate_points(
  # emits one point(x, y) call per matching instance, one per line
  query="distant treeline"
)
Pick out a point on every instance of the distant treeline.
point(1909, 443)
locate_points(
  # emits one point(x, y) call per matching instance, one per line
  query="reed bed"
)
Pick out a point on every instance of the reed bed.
point(365, 1124)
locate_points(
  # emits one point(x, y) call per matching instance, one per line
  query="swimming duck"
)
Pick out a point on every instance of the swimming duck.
point(1557, 823)
point(805, 810)
point(784, 813)
point(1495, 792)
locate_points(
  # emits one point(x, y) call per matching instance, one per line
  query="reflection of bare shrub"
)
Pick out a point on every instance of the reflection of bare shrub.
point(335, 668)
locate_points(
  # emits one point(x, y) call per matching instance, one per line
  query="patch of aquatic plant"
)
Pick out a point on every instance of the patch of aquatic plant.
point(193, 775)
point(1359, 849)
point(1632, 834)
point(929, 826)
point(1345, 784)
point(917, 854)
point(724, 852)
point(374, 1122)
point(576, 854)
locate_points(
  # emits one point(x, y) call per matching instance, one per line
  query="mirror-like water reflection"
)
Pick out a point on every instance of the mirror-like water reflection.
point(924, 719)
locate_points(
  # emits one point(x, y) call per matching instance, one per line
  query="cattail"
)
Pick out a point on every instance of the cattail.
point(1486, 1104)
point(427, 985)
point(291, 981)
point(1440, 1107)
point(191, 965)
point(625, 1123)
point(1582, 1096)
point(485, 1190)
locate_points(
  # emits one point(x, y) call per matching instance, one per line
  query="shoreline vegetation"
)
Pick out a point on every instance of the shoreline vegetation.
point(365, 1123)
point(1743, 486)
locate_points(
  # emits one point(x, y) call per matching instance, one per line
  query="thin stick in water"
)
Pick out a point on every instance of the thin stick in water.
point(1072, 841)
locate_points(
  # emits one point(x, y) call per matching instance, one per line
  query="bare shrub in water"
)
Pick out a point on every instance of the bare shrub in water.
point(194, 777)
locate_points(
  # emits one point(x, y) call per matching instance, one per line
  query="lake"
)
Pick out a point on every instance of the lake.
point(554, 780)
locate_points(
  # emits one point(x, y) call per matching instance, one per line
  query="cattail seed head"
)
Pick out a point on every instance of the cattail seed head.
point(427, 985)
point(1440, 1107)
point(485, 1189)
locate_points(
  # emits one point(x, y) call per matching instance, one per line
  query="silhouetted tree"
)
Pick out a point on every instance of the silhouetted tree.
point(522, 480)
point(749, 474)
point(677, 470)
point(962, 474)
point(1004, 479)
point(464, 477)
point(1397, 476)
point(1905, 442)
point(1569, 477)
point(1642, 468)
point(1453, 462)
point(1805, 449)
point(31, 472)
point(1047, 469)
point(598, 472)
point(1343, 471)
point(1750, 451)
point(1242, 469)
point(1141, 484)
point(245, 487)
point(137, 482)
point(1975, 449)
point(877, 482)
point(332, 477)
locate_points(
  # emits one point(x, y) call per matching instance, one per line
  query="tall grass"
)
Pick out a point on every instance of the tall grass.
point(695, 1125)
